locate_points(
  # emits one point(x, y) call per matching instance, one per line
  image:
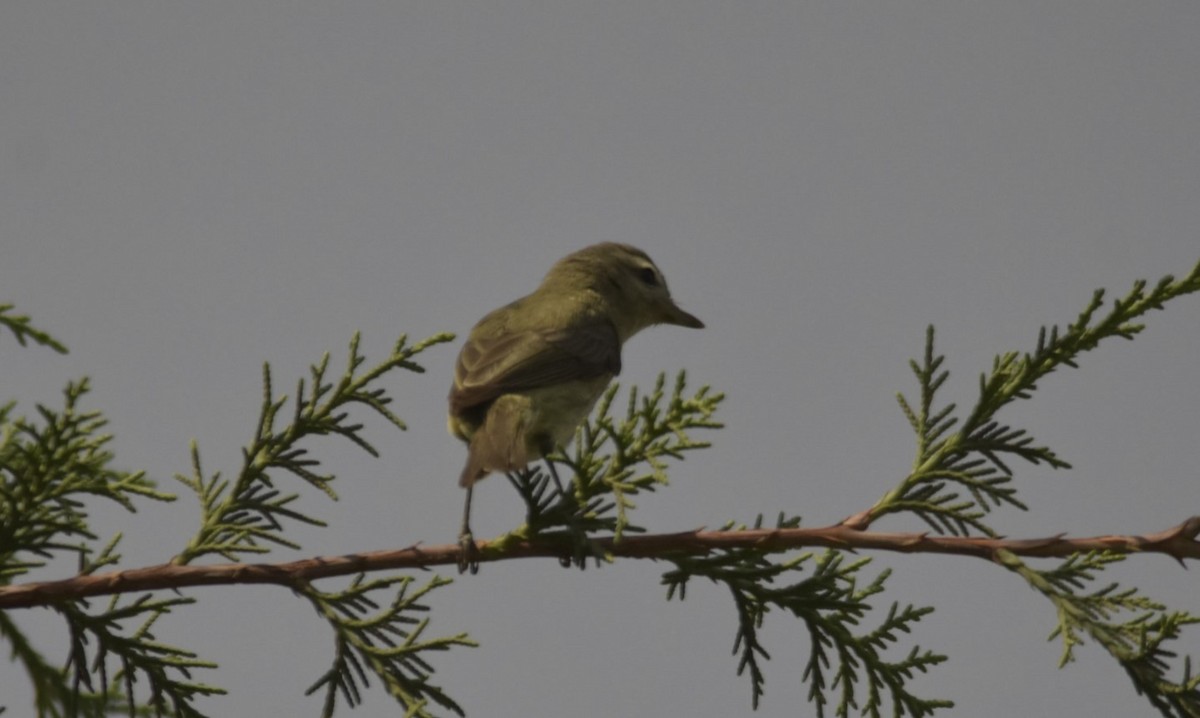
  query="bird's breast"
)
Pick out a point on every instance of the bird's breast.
point(556, 411)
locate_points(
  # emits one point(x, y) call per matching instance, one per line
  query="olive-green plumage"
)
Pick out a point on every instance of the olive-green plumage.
point(530, 372)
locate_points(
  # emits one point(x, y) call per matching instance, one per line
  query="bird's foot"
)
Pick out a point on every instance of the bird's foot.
point(468, 553)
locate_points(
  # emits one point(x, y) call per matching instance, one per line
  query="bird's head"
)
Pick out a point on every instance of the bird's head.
point(628, 286)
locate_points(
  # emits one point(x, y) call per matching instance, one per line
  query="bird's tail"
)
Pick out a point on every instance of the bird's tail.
point(498, 445)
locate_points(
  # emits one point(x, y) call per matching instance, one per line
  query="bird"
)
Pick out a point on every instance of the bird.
point(530, 372)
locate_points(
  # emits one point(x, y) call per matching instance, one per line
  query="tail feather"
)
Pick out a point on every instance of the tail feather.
point(498, 445)
point(472, 472)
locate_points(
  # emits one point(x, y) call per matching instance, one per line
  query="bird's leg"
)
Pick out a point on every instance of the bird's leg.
point(468, 556)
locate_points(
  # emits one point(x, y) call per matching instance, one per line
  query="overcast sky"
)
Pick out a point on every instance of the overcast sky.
point(188, 190)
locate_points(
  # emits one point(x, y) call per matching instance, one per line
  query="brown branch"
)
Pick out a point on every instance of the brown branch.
point(1179, 542)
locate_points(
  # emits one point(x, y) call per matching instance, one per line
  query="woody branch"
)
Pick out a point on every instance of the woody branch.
point(1180, 542)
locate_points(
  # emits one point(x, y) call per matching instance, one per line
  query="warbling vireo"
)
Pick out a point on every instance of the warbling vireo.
point(531, 371)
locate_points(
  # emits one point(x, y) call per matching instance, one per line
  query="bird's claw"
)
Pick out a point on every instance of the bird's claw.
point(468, 554)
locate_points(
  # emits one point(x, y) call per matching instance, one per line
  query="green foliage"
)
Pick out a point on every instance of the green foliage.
point(642, 441)
point(48, 471)
point(972, 458)
point(19, 325)
point(52, 695)
point(1134, 629)
point(614, 460)
point(961, 475)
point(831, 604)
point(49, 468)
point(967, 460)
point(617, 459)
point(242, 516)
point(387, 642)
point(167, 670)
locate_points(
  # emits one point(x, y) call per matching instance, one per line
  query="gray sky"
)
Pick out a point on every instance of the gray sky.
point(188, 190)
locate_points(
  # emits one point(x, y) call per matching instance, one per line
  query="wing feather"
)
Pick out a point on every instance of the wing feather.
point(488, 367)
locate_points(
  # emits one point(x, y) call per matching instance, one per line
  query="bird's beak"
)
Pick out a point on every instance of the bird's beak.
point(672, 314)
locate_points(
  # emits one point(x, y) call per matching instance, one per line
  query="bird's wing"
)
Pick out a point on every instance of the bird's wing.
point(489, 367)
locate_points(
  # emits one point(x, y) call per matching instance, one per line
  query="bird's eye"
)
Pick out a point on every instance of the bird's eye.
point(648, 277)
